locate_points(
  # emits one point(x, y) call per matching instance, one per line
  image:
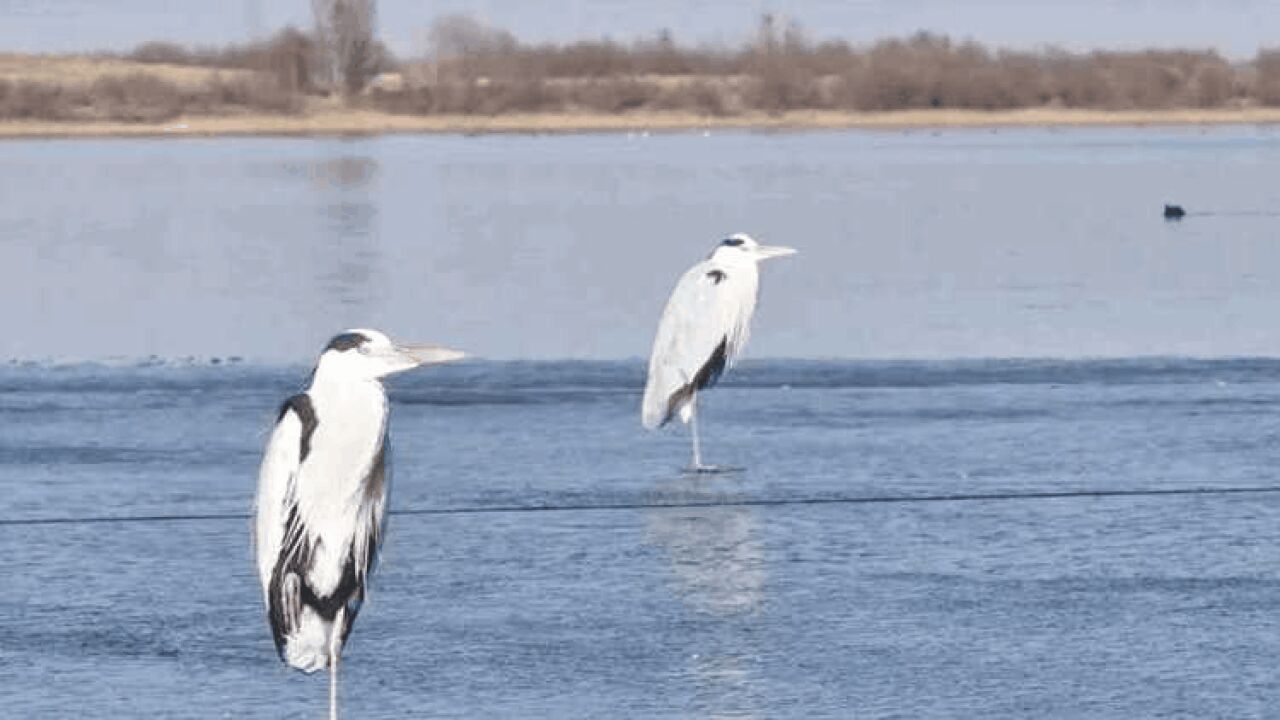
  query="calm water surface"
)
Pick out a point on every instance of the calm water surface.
point(837, 576)
point(957, 244)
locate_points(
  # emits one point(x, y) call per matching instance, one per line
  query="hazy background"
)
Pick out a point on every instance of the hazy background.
point(1234, 27)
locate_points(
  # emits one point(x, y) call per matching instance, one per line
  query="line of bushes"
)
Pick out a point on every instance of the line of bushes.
point(475, 69)
point(471, 68)
point(293, 59)
point(289, 58)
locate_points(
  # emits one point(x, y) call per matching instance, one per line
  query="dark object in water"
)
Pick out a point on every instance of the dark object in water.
point(1173, 212)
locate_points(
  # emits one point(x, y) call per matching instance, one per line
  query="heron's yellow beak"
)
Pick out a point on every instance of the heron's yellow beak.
point(772, 251)
point(428, 354)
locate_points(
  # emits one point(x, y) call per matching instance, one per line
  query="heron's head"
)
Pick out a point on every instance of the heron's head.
point(739, 246)
point(362, 354)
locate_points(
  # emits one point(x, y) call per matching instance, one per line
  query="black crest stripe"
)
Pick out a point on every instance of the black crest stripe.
point(347, 341)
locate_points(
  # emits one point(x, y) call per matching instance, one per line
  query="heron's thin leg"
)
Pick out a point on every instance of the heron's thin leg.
point(335, 653)
point(693, 424)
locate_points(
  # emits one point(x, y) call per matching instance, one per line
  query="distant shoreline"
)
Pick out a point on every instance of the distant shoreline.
point(360, 122)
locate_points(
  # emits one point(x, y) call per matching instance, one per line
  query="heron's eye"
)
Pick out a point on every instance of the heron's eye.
point(732, 242)
point(364, 349)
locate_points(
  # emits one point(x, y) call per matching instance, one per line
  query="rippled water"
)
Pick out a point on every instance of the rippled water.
point(808, 585)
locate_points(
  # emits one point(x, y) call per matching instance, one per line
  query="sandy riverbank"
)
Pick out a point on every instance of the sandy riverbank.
point(357, 122)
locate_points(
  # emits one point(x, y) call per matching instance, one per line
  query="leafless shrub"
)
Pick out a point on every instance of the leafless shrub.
point(289, 58)
point(459, 36)
point(136, 98)
point(661, 56)
point(258, 94)
point(781, 80)
point(612, 95)
point(1266, 78)
point(1214, 85)
point(703, 97)
point(462, 49)
point(34, 101)
point(415, 100)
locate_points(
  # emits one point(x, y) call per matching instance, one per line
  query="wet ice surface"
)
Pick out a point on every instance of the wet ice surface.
point(1098, 606)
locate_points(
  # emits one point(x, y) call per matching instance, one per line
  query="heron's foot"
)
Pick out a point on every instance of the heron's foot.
point(703, 469)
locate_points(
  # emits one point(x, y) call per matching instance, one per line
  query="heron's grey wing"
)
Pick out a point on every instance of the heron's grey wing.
point(372, 515)
point(366, 539)
point(703, 328)
point(276, 498)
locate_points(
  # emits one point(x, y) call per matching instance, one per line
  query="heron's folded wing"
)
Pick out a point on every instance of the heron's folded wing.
point(275, 491)
point(372, 525)
point(702, 329)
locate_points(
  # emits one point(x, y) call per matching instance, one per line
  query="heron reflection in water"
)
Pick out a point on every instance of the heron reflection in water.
point(717, 570)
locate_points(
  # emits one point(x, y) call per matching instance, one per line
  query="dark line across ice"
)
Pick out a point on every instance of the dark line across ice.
point(763, 502)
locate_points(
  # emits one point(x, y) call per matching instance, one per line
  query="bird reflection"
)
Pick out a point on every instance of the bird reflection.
point(347, 248)
point(718, 571)
point(716, 557)
point(345, 172)
point(725, 686)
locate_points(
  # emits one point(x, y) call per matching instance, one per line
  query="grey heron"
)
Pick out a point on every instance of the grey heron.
point(702, 332)
point(322, 493)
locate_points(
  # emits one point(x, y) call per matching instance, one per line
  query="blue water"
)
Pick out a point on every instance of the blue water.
point(1089, 531)
point(838, 575)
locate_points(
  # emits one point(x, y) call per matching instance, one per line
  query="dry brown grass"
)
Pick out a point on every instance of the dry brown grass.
point(83, 70)
point(87, 89)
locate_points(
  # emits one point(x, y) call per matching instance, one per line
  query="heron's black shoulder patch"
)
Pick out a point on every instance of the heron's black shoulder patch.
point(717, 276)
point(347, 341)
point(301, 405)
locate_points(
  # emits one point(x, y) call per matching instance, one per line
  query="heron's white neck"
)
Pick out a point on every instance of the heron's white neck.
point(344, 397)
point(334, 377)
point(351, 419)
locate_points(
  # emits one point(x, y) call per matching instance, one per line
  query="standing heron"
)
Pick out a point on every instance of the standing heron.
point(703, 330)
point(322, 493)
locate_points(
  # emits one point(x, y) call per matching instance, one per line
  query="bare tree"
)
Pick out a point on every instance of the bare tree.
point(466, 46)
point(349, 55)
